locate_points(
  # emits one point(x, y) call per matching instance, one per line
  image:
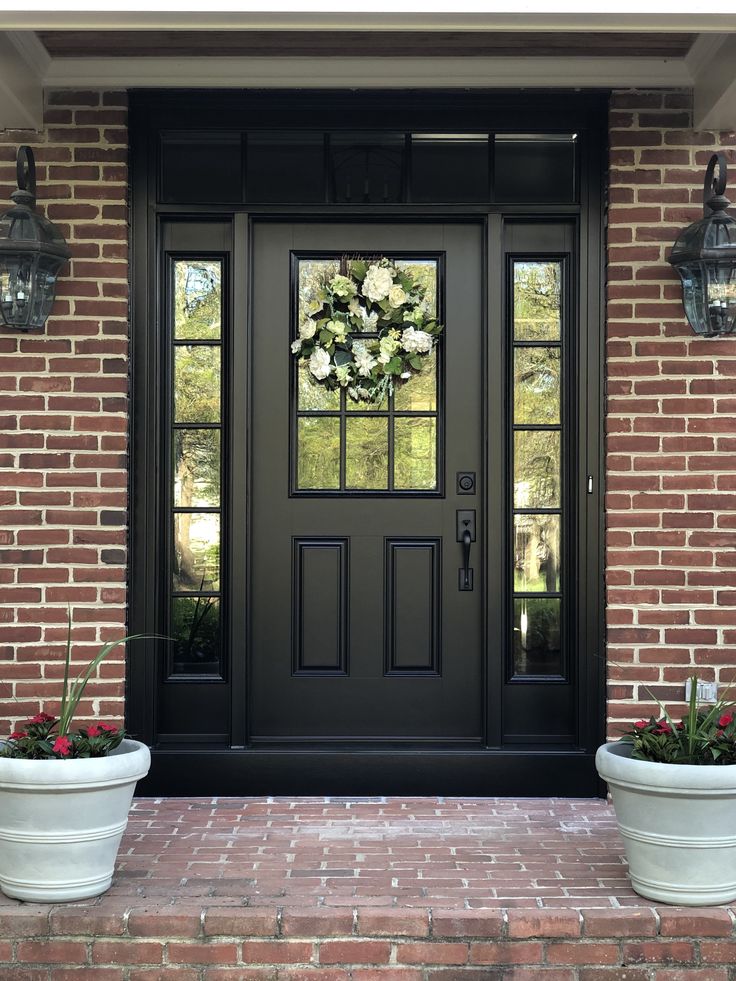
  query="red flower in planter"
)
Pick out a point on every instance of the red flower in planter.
point(17, 735)
point(63, 745)
point(641, 724)
point(40, 718)
point(94, 731)
point(725, 720)
point(663, 728)
point(105, 727)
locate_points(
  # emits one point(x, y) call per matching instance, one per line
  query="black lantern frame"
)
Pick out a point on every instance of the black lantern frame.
point(705, 257)
point(32, 252)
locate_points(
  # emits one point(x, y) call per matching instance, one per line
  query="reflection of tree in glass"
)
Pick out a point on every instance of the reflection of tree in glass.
point(537, 300)
point(195, 625)
point(425, 273)
point(537, 636)
point(196, 551)
point(536, 553)
point(537, 385)
point(537, 469)
point(197, 292)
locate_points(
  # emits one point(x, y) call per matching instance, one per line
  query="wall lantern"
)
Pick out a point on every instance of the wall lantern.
point(705, 257)
point(32, 251)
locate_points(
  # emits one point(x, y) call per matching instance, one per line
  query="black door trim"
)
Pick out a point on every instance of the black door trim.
point(185, 767)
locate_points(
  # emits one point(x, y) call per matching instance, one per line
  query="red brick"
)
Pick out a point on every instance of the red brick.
point(354, 952)
point(543, 923)
point(392, 923)
point(516, 952)
point(467, 923)
point(214, 952)
point(660, 952)
point(432, 953)
point(126, 952)
point(277, 952)
point(52, 951)
point(240, 922)
point(316, 923)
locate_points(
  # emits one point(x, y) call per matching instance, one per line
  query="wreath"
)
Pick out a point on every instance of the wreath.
point(374, 297)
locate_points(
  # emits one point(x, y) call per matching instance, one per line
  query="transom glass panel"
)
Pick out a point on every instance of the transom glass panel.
point(345, 444)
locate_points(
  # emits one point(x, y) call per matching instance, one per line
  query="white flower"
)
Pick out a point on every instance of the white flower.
point(396, 296)
point(342, 286)
point(387, 347)
point(377, 283)
point(416, 341)
point(354, 307)
point(370, 320)
point(307, 329)
point(342, 373)
point(319, 364)
point(296, 346)
point(338, 328)
point(364, 362)
point(405, 374)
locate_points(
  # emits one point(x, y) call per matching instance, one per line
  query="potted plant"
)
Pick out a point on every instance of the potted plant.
point(673, 786)
point(65, 797)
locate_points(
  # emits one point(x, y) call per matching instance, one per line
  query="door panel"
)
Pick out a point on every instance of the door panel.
point(359, 628)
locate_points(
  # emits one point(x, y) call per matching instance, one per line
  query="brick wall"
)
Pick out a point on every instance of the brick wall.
point(671, 446)
point(63, 419)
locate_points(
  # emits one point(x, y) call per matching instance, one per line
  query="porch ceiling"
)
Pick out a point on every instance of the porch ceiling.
point(293, 47)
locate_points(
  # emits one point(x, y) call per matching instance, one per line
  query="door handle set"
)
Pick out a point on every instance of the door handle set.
point(465, 521)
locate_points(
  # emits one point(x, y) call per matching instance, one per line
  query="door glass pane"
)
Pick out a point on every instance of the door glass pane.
point(345, 440)
point(197, 299)
point(537, 385)
point(196, 552)
point(537, 553)
point(366, 453)
point(537, 636)
point(196, 468)
point(318, 464)
point(537, 308)
point(419, 393)
point(196, 383)
point(415, 453)
point(202, 168)
point(195, 628)
point(312, 396)
point(537, 469)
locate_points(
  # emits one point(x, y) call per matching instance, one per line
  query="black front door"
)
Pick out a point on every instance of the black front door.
point(361, 631)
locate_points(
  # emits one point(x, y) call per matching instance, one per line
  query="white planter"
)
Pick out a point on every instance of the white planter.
point(678, 824)
point(61, 822)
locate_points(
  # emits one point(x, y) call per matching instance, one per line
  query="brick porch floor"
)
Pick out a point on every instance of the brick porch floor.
point(263, 889)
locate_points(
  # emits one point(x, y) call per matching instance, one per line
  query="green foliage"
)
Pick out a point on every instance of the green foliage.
point(704, 736)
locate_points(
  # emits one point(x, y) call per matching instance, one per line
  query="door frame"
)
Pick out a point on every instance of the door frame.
point(233, 768)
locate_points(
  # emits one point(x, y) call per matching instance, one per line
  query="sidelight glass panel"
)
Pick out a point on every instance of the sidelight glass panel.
point(195, 629)
point(419, 393)
point(196, 559)
point(196, 383)
point(366, 453)
point(415, 453)
point(537, 468)
point(537, 649)
point(537, 301)
point(197, 299)
point(318, 463)
point(537, 385)
point(196, 468)
point(537, 553)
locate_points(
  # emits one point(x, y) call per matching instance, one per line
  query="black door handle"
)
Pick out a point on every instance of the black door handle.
point(467, 582)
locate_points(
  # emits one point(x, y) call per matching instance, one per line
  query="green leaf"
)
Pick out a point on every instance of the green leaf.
point(393, 367)
point(358, 269)
point(343, 357)
point(416, 361)
point(326, 336)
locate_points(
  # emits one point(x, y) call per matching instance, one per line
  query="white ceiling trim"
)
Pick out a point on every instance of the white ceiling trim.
point(21, 86)
point(617, 16)
point(714, 103)
point(358, 72)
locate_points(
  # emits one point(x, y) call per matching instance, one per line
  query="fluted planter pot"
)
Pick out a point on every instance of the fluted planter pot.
point(61, 822)
point(678, 824)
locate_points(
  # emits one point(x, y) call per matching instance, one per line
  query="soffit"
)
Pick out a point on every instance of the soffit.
point(377, 43)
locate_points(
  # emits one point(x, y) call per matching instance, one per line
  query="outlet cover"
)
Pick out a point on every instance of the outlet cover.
point(707, 691)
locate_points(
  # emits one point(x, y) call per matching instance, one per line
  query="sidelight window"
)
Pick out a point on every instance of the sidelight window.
point(196, 310)
point(344, 446)
point(537, 448)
